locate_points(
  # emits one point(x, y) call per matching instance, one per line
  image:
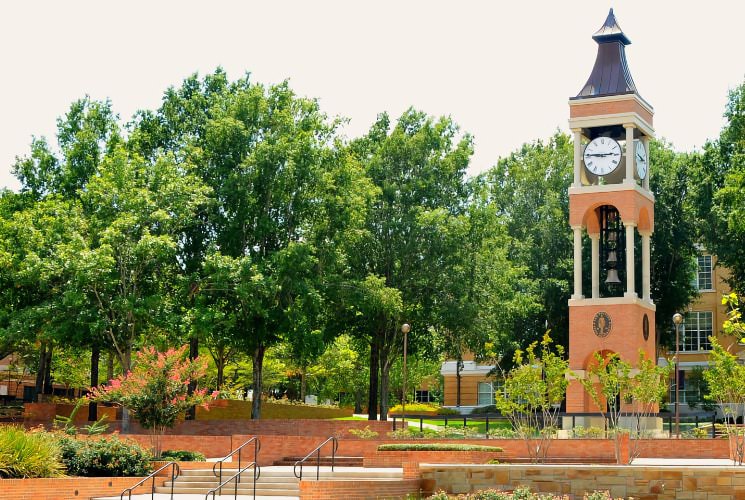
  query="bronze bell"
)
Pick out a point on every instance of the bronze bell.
point(612, 257)
point(612, 278)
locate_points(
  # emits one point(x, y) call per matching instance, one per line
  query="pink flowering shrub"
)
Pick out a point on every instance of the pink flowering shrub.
point(155, 391)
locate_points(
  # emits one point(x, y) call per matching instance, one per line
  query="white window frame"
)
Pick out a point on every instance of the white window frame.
point(697, 328)
point(482, 391)
point(702, 273)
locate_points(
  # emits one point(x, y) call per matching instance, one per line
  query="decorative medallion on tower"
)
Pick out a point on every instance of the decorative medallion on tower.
point(601, 324)
point(611, 212)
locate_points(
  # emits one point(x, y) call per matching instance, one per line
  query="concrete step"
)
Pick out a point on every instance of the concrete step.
point(228, 490)
point(325, 461)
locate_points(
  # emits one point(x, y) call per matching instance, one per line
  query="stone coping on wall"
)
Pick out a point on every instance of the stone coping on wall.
point(622, 481)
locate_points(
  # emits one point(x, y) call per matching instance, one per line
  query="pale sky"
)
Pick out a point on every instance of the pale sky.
point(503, 70)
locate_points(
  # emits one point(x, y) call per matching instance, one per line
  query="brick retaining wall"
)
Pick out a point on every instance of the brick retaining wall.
point(358, 490)
point(68, 487)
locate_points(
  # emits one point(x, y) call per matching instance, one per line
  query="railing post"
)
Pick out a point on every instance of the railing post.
point(714, 425)
point(394, 422)
point(173, 480)
point(421, 424)
point(464, 421)
point(446, 420)
point(487, 427)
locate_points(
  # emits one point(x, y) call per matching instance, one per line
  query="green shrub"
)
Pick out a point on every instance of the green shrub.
point(365, 433)
point(28, 454)
point(436, 447)
point(502, 432)
point(182, 456)
point(419, 408)
point(484, 409)
point(105, 457)
point(412, 433)
point(698, 433)
point(588, 432)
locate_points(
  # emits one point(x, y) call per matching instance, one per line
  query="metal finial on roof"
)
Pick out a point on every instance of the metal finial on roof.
point(610, 31)
point(610, 75)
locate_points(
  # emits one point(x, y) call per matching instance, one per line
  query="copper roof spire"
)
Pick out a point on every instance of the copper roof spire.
point(610, 75)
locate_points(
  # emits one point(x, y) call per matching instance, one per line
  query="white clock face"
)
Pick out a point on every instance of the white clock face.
point(602, 155)
point(640, 159)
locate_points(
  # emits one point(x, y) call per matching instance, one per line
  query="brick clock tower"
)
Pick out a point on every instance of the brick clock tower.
point(611, 203)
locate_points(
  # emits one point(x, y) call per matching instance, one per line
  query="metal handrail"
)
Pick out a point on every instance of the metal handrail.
point(237, 477)
point(317, 451)
point(175, 471)
point(257, 448)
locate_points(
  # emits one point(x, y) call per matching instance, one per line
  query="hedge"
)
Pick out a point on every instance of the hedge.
point(436, 447)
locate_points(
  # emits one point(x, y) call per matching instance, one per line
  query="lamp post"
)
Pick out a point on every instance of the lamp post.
point(405, 328)
point(677, 319)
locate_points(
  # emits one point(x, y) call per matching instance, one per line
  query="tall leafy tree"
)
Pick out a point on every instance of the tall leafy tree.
point(418, 166)
point(136, 211)
point(719, 182)
point(674, 237)
point(269, 157)
point(529, 189)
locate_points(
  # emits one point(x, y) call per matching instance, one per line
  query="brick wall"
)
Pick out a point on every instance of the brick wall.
point(358, 490)
point(285, 427)
point(648, 482)
point(210, 446)
point(398, 458)
point(68, 487)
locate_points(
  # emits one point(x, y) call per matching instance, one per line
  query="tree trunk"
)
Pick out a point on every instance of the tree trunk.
point(385, 382)
point(303, 384)
point(458, 368)
point(40, 371)
point(191, 413)
point(48, 390)
point(372, 401)
point(258, 366)
point(220, 364)
point(95, 358)
point(357, 401)
point(110, 366)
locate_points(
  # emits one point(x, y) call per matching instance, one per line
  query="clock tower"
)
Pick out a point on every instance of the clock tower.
point(611, 212)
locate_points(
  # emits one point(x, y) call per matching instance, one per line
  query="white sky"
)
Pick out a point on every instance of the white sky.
point(503, 70)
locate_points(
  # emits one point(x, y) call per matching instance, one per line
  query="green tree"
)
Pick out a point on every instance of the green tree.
point(620, 390)
point(156, 389)
point(726, 381)
point(529, 188)
point(674, 238)
point(719, 183)
point(281, 194)
point(136, 211)
point(417, 166)
point(533, 391)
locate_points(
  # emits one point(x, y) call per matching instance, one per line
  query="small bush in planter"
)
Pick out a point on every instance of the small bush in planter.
point(436, 447)
point(29, 454)
point(106, 457)
point(182, 456)
point(366, 433)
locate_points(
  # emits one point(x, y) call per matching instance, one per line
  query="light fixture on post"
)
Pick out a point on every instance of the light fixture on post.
point(405, 328)
point(677, 320)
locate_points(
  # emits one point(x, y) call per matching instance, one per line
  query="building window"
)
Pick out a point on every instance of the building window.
point(703, 273)
point(421, 396)
point(697, 328)
point(486, 393)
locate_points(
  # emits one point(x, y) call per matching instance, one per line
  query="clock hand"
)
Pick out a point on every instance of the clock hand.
point(640, 158)
point(599, 154)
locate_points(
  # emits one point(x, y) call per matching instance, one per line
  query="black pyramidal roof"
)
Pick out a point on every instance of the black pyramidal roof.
point(610, 75)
